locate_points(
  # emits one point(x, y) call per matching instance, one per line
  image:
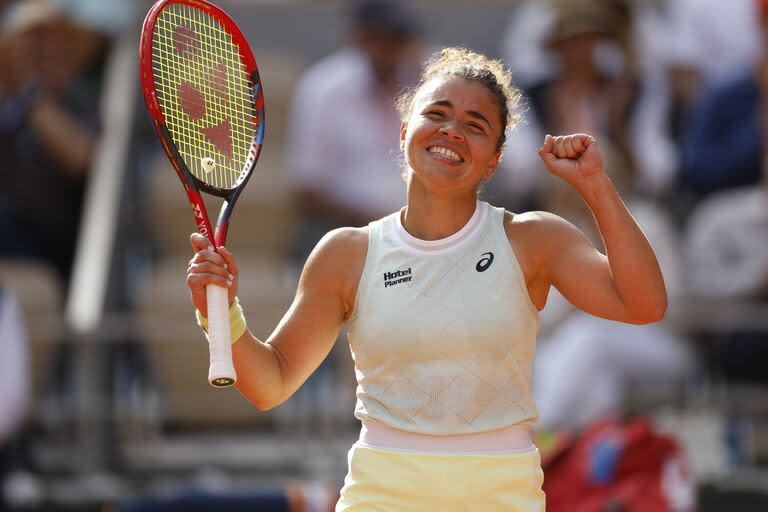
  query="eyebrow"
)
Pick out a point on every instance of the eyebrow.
point(473, 113)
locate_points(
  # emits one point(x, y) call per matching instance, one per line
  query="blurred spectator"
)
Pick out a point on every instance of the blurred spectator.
point(597, 83)
point(522, 44)
point(586, 368)
point(704, 45)
point(589, 368)
point(49, 98)
point(15, 385)
point(722, 132)
point(712, 43)
point(343, 142)
point(725, 146)
point(641, 27)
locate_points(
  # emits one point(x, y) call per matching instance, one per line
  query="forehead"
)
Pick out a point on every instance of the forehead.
point(463, 94)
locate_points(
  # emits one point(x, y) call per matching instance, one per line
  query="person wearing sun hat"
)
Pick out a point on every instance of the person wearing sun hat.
point(578, 18)
point(49, 123)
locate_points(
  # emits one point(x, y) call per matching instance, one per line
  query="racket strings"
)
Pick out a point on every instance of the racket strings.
point(203, 90)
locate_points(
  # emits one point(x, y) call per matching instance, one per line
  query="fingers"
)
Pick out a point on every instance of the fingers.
point(229, 260)
point(209, 266)
point(204, 251)
point(203, 273)
point(573, 147)
point(545, 151)
point(199, 242)
point(566, 146)
point(549, 142)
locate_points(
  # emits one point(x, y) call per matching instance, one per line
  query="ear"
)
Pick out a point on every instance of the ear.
point(492, 165)
point(403, 131)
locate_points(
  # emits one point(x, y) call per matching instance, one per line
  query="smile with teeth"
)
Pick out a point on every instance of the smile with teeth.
point(445, 153)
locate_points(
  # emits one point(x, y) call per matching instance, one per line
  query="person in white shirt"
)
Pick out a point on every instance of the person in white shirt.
point(342, 147)
point(441, 300)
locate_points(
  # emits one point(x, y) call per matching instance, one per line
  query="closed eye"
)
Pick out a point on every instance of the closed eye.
point(476, 127)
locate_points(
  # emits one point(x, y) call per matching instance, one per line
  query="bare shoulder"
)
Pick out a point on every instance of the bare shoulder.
point(539, 229)
point(534, 222)
point(534, 235)
point(345, 243)
point(336, 263)
point(340, 249)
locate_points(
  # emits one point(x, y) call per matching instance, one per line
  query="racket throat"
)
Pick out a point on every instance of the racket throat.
point(201, 215)
point(222, 224)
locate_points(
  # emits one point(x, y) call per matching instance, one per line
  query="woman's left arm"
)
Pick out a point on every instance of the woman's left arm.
point(626, 283)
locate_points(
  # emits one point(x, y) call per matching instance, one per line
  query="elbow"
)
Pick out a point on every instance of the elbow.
point(265, 402)
point(268, 391)
point(262, 403)
point(657, 314)
point(653, 312)
point(264, 406)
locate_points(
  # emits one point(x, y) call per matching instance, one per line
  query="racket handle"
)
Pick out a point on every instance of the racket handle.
point(221, 372)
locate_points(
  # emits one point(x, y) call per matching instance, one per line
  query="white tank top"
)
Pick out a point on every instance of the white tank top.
point(443, 332)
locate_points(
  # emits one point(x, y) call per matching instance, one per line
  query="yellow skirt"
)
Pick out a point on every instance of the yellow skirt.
point(381, 480)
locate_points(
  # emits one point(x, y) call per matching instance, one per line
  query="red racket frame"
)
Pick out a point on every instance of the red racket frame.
point(192, 185)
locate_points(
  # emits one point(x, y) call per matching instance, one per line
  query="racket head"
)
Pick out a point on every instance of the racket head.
point(203, 93)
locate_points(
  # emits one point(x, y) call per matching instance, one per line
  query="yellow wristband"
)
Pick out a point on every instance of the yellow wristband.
point(237, 324)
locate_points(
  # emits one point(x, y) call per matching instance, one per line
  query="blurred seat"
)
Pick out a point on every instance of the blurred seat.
point(263, 220)
point(280, 71)
point(178, 351)
point(39, 291)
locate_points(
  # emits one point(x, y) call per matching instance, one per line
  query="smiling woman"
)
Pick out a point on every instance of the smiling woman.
point(441, 301)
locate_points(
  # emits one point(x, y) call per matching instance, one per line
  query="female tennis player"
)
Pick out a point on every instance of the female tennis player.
point(441, 300)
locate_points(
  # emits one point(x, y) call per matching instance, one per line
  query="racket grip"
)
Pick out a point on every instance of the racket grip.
point(221, 372)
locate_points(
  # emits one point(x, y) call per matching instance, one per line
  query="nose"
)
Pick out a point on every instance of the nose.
point(452, 131)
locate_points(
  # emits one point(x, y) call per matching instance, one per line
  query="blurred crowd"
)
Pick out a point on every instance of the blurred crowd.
point(676, 93)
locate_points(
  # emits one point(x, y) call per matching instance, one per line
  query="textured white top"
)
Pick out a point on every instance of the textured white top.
point(443, 332)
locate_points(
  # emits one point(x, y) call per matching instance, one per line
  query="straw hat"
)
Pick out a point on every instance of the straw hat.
point(579, 17)
point(101, 16)
point(23, 16)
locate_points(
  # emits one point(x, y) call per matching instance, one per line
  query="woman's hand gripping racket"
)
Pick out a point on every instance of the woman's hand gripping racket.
point(203, 93)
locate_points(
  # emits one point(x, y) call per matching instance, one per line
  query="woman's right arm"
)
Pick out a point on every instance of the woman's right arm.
point(270, 371)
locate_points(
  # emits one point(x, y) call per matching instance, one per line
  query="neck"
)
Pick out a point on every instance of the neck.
point(431, 217)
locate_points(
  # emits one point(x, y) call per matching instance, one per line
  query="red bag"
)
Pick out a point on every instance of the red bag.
point(618, 466)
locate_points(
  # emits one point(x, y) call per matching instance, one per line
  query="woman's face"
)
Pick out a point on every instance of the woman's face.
point(452, 134)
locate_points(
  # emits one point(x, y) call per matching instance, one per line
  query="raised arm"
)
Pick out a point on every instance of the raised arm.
point(270, 371)
point(626, 283)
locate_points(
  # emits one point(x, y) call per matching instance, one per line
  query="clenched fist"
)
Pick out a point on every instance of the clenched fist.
point(574, 158)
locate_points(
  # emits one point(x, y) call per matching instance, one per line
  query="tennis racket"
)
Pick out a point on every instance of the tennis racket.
point(203, 93)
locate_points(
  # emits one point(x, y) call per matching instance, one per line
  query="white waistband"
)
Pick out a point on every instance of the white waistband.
point(510, 439)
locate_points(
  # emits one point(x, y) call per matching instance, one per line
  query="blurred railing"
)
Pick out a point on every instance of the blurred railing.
point(84, 308)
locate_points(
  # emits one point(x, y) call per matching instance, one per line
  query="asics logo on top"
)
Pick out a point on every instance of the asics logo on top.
point(397, 277)
point(485, 262)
